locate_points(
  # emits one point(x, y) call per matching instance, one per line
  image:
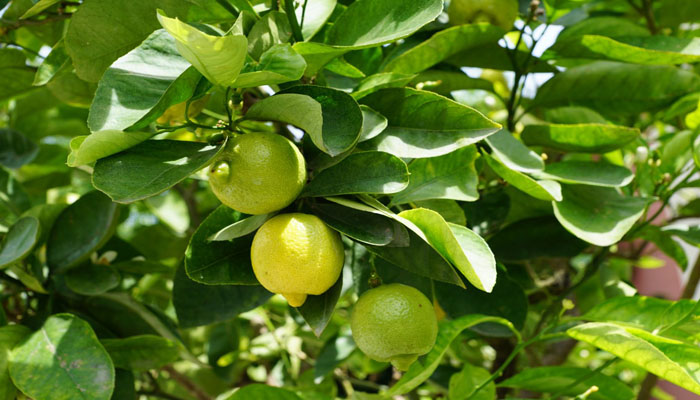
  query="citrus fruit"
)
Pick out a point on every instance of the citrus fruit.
point(296, 255)
point(394, 323)
point(258, 173)
point(496, 12)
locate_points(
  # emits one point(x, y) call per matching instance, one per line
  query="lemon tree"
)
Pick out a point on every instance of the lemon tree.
point(356, 199)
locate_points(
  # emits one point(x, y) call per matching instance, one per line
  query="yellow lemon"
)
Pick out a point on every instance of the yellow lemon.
point(296, 255)
point(258, 173)
point(496, 12)
point(394, 323)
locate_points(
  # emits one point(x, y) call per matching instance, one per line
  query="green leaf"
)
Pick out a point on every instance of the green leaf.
point(584, 138)
point(80, 229)
point(92, 279)
point(573, 115)
point(664, 242)
point(197, 304)
point(16, 149)
point(424, 124)
point(15, 76)
point(341, 117)
point(587, 173)
point(141, 353)
point(564, 380)
point(240, 228)
point(67, 356)
point(259, 391)
point(533, 238)
point(221, 262)
point(652, 50)
point(464, 249)
point(442, 45)
point(373, 172)
point(332, 353)
point(12, 195)
point(101, 31)
point(364, 225)
point(318, 310)
point(373, 123)
point(450, 210)
point(53, 64)
point(101, 144)
point(598, 215)
point(493, 56)
point(542, 189)
point(674, 319)
point(124, 385)
point(507, 300)
point(279, 64)
point(690, 234)
point(617, 88)
point(271, 29)
point(464, 383)
point(421, 370)
point(613, 27)
point(673, 12)
point(10, 336)
point(218, 58)
point(666, 358)
point(446, 82)
point(299, 110)
point(19, 241)
point(367, 23)
point(38, 7)
point(379, 81)
point(312, 15)
point(513, 153)
point(341, 67)
point(138, 87)
point(316, 55)
point(452, 176)
point(150, 168)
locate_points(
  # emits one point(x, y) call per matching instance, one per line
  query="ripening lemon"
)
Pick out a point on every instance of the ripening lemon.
point(496, 12)
point(296, 255)
point(394, 323)
point(258, 173)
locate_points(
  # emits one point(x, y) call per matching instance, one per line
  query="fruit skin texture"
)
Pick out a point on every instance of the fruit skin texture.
point(258, 173)
point(496, 12)
point(297, 255)
point(395, 323)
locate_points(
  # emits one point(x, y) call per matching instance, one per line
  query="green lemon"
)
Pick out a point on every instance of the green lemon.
point(297, 255)
point(258, 173)
point(394, 323)
point(496, 12)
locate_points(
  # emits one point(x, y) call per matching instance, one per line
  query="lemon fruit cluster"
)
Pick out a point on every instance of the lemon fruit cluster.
point(394, 323)
point(258, 173)
point(496, 12)
point(296, 255)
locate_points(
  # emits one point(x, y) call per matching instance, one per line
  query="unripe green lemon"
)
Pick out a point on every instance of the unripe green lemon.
point(258, 173)
point(394, 323)
point(296, 255)
point(496, 12)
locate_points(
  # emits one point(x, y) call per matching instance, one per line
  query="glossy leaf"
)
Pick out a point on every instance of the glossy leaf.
point(299, 110)
point(316, 55)
point(221, 262)
point(669, 359)
point(92, 279)
point(421, 370)
point(583, 138)
point(197, 304)
point(80, 229)
point(365, 225)
point(138, 87)
point(374, 172)
point(587, 173)
point(263, 392)
point(535, 237)
point(464, 249)
point(63, 360)
point(464, 383)
point(312, 15)
point(424, 124)
point(142, 352)
point(379, 81)
point(513, 153)
point(690, 234)
point(570, 381)
point(452, 176)
point(10, 336)
point(88, 149)
point(373, 123)
point(218, 58)
point(617, 88)
point(442, 45)
point(273, 28)
point(663, 240)
point(17, 77)
point(368, 23)
point(278, 64)
point(598, 215)
point(150, 168)
point(317, 310)
point(19, 241)
point(16, 149)
point(341, 117)
point(38, 7)
point(539, 189)
point(240, 228)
